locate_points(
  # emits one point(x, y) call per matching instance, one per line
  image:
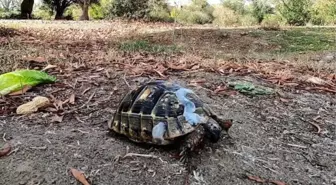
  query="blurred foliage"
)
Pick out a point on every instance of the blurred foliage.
point(58, 6)
point(130, 9)
point(10, 14)
point(198, 12)
point(96, 11)
point(224, 16)
point(43, 12)
point(74, 12)
point(260, 8)
point(324, 12)
point(159, 11)
point(271, 22)
point(296, 12)
point(238, 6)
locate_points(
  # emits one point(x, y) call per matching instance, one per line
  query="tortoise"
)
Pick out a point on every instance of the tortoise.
point(162, 113)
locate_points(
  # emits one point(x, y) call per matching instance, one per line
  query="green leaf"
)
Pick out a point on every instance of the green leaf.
point(16, 80)
point(250, 89)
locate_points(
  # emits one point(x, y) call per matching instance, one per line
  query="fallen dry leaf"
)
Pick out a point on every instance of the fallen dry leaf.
point(79, 176)
point(277, 182)
point(58, 104)
point(175, 67)
point(22, 91)
point(57, 118)
point(5, 150)
point(257, 179)
point(72, 99)
point(220, 89)
point(315, 80)
point(284, 100)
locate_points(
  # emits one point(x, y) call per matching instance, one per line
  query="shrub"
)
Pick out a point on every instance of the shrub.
point(74, 11)
point(43, 12)
point(9, 14)
point(106, 8)
point(248, 20)
point(271, 22)
point(324, 12)
point(296, 13)
point(96, 11)
point(158, 11)
point(193, 17)
point(224, 16)
point(130, 9)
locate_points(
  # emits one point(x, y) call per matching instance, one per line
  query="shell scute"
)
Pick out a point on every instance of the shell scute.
point(153, 103)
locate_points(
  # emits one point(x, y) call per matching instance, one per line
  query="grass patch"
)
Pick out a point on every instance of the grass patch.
point(141, 45)
point(304, 39)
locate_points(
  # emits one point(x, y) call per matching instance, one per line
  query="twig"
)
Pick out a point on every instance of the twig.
point(124, 78)
point(86, 90)
point(90, 98)
point(4, 137)
point(39, 147)
point(314, 124)
point(298, 146)
point(73, 110)
point(77, 118)
point(81, 131)
point(140, 155)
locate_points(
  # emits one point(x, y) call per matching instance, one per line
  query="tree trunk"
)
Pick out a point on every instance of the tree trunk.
point(85, 11)
point(59, 12)
point(27, 9)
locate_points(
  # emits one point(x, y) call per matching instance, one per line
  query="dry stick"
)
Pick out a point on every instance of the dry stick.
point(314, 124)
point(140, 155)
point(4, 137)
point(90, 98)
point(124, 78)
point(73, 110)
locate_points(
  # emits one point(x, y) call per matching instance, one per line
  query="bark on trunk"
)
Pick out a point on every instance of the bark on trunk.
point(59, 12)
point(59, 15)
point(85, 11)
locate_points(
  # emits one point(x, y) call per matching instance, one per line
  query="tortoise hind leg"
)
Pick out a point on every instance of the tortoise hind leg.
point(191, 142)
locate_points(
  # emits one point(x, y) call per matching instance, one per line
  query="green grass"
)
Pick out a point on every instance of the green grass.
point(304, 39)
point(141, 45)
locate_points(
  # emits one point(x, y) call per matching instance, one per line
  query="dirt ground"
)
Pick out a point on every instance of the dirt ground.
point(274, 137)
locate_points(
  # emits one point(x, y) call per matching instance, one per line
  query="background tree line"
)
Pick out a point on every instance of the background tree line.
point(228, 13)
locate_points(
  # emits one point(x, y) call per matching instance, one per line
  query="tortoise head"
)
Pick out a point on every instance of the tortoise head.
point(213, 128)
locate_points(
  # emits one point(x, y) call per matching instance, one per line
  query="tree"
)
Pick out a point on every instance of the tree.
point(85, 4)
point(27, 9)
point(296, 12)
point(260, 8)
point(59, 6)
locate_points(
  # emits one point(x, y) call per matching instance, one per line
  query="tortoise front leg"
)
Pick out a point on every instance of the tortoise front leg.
point(191, 142)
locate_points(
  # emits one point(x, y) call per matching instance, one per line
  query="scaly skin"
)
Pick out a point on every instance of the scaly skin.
point(191, 142)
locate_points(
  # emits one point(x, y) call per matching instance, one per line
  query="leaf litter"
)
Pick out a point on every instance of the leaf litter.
point(149, 66)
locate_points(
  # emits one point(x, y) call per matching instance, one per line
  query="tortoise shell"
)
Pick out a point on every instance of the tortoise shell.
point(143, 108)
